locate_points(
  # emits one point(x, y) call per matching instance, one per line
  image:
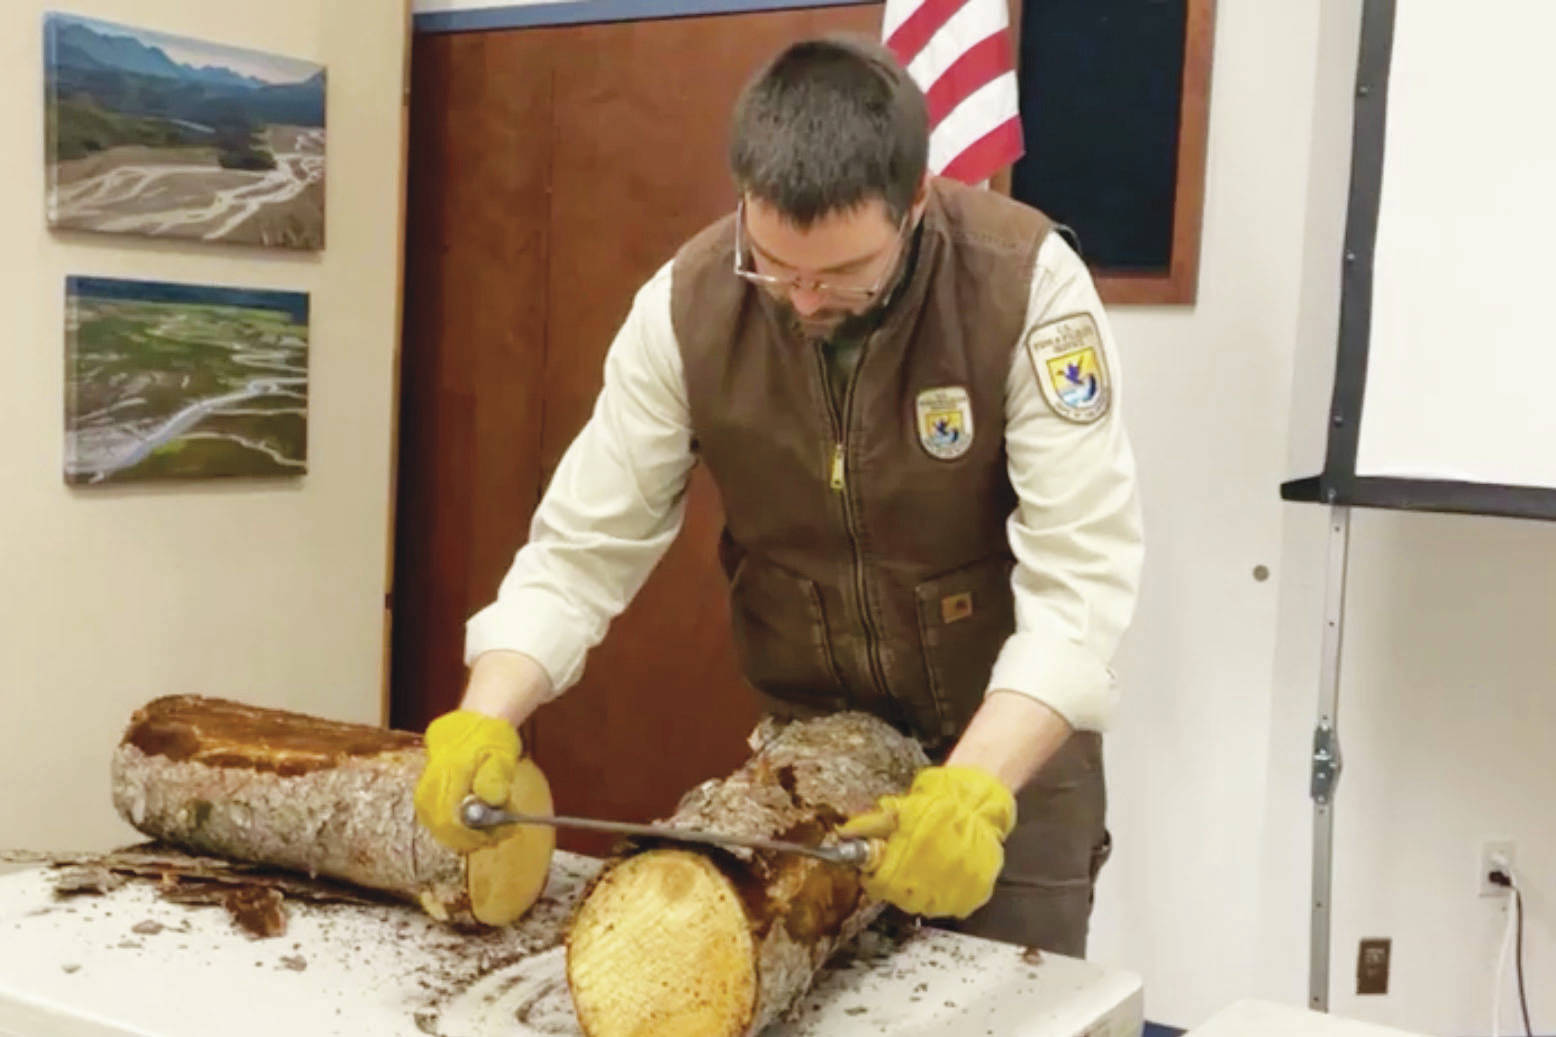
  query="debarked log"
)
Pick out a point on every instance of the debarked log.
point(708, 942)
point(321, 798)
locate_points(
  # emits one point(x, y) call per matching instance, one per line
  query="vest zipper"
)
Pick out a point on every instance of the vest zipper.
point(838, 482)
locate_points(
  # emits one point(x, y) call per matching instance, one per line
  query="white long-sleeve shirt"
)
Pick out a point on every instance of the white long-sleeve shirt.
point(617, 501)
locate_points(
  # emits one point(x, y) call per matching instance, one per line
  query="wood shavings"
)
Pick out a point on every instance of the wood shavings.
point(254, 895)
point(258, 911)
point(83, 879)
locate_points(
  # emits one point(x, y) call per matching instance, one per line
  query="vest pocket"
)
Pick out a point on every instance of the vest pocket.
point(780, 633)
point(964, 617)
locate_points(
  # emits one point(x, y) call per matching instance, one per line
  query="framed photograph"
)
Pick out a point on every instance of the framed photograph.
point(154, 134)
point(180, 381)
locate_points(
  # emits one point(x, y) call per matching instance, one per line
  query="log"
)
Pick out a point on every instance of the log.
point(713, 942)
point(320, 798)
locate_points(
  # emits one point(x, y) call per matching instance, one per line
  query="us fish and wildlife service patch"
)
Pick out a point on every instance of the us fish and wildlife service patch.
point(1071, 367)
point(945, 422)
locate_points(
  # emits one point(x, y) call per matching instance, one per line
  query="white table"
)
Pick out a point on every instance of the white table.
point(1267, 1019)
point(129, 963)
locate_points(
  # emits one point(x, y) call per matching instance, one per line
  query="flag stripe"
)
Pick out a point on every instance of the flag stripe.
point(894, 15)
point(976, 20)
point(982, 62)
point(959, 53)
point(988, 154)
point(920, 27)
point(984, 109)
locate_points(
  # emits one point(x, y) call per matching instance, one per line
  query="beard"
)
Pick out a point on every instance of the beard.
point(827, 325)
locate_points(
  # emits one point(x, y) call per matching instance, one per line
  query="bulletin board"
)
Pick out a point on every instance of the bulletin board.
point(1115, 110)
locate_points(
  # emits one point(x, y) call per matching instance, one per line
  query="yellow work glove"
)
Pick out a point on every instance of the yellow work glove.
point(466, 752)
point(944, 841)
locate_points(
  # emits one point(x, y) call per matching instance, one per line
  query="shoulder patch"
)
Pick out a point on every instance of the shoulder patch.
point(1071, 367)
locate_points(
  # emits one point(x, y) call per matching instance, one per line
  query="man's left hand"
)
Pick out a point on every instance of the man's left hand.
point(944, 841)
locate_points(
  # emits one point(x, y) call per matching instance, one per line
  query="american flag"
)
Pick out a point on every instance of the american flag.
point(958, 52)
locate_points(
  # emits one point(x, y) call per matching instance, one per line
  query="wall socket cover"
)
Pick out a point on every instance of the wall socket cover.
point(1372, 966)
point(1491, 851)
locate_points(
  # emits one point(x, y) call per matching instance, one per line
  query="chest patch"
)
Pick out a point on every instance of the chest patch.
point(945, 422)
point(1071, 367)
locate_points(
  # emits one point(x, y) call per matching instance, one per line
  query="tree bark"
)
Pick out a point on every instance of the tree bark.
point(318, 797)
point(712, 942)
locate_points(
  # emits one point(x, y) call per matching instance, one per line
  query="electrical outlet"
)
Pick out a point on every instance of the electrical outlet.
point(1493, 852)
point(1372, 966)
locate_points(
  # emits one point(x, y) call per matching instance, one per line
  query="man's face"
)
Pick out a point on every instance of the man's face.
point(828, 267)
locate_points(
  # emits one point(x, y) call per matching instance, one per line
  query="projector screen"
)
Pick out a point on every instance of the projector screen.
point(1445, 379)
point(1462, 360)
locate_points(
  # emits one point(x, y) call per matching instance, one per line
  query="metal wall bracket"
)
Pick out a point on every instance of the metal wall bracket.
point(1326, 755)
point(1326, 764)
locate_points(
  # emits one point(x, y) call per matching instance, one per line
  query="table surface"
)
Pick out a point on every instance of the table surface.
point(130, 963)
point(1268, 1019)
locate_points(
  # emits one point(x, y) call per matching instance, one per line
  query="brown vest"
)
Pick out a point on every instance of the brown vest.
point(890, 593)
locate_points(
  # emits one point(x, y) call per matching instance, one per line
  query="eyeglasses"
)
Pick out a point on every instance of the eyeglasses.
point(836, 292)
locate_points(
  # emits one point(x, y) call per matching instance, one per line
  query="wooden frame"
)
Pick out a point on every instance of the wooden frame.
point(1180, 284)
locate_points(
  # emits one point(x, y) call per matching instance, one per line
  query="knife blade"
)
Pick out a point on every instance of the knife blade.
point(476, 813)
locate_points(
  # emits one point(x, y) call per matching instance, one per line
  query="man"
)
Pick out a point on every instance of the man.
point(906, 392)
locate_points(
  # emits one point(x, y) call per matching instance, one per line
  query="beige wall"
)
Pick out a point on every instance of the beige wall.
point(266, 591)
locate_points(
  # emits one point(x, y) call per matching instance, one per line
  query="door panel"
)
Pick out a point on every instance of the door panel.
point(471, 378)
point(630, 121)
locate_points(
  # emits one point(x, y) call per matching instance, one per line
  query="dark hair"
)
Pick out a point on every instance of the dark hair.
point(827, 125)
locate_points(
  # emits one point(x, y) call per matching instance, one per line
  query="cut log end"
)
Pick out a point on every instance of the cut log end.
point(719, 943)
point(506, 879)
point(663, 945)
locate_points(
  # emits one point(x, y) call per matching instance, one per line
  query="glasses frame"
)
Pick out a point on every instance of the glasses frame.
point(837, 293)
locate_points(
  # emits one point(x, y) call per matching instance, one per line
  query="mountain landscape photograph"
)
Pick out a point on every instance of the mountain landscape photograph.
point(154, 134)
point(180, 381)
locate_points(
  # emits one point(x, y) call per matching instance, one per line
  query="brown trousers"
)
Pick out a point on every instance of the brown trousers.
point(1043, 897)
point(1052, 857)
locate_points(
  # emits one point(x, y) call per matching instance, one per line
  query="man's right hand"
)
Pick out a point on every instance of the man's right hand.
point(467, 752)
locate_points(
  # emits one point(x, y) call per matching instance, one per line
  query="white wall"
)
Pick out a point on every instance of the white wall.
point(266, 591)
point(1208, 388)
point(1449, 684)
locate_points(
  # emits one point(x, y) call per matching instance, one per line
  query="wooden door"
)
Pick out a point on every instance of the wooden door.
point(552, 171)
